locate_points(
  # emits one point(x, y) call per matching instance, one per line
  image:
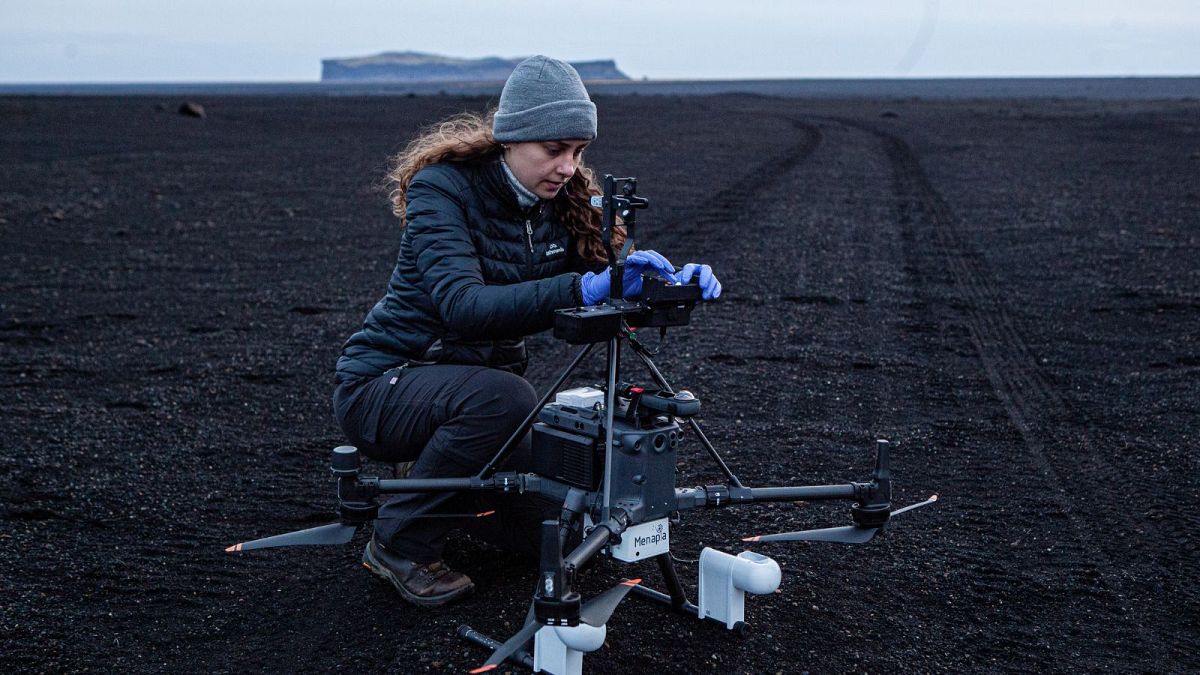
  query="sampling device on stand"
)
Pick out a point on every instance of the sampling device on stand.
point(608, 455)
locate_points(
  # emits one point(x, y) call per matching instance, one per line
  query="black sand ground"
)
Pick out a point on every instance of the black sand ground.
point(1007, 290)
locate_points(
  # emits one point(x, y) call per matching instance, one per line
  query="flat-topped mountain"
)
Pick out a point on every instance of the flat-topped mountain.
point(418, 67)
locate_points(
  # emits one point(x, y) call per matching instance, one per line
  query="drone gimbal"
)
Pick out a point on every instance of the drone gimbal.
point(609, 457)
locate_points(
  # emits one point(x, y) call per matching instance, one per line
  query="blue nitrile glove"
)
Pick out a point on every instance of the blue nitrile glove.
point(710, 288)
point(596, 287)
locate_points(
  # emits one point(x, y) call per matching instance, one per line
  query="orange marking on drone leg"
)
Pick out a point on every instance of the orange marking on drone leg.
point(631, 582)
point(751, 538)
point(484, 514)
point(483, 669)
point(234, 548)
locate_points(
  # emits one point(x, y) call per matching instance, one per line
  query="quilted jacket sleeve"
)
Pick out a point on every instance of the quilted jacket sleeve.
point(450, 270)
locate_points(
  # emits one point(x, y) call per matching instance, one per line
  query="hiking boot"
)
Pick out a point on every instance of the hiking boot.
point(427, 584)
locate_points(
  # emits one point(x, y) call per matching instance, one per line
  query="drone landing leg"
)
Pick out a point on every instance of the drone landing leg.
point(520, 656)
point(676, 596)
point(667, 567)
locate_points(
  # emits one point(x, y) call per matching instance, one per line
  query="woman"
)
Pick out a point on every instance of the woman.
point(499, 234)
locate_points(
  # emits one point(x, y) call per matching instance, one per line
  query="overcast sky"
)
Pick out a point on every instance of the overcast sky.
point(276, 40)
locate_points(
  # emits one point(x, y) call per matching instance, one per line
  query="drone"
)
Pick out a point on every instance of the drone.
point(608, 454)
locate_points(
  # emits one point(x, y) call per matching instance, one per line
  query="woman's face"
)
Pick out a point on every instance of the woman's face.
point(543, 167)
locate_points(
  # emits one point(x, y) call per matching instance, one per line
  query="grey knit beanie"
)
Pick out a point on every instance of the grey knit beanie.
point(544, 100)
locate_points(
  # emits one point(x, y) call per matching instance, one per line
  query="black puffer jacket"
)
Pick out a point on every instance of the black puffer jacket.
point(475, 274)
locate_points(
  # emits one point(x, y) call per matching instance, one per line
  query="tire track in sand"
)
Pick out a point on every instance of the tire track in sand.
point(1103, 522)
point(734, 201)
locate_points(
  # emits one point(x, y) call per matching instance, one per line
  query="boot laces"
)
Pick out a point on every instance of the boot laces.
point(436, 570)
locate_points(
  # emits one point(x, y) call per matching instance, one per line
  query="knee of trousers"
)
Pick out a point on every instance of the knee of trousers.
point(507, 397)
point(497, 401)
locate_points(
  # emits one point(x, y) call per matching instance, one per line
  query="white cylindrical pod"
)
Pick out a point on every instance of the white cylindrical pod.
point(756, 573)
point(582, 638)
point(725, 579)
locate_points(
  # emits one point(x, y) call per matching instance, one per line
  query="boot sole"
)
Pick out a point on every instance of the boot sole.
point(375, 567)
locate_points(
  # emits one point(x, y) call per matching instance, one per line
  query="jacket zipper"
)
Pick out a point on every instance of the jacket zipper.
point(529, 261)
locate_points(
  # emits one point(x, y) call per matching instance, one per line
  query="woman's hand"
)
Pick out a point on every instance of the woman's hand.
point(596, 287)
point(710, 288)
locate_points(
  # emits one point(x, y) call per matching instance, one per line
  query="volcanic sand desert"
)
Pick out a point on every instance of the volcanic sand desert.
point(1008, 290)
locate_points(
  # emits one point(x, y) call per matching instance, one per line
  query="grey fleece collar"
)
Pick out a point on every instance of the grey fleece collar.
point(524, 197)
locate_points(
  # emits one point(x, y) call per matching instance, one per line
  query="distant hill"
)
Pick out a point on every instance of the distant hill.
point(418, 67)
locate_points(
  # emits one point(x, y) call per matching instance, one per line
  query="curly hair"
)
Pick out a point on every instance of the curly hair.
point(467, 137)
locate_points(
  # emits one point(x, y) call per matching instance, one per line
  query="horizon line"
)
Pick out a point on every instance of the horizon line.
point(629, 81)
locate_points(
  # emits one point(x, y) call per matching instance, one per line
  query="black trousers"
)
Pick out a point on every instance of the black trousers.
point(450, 420)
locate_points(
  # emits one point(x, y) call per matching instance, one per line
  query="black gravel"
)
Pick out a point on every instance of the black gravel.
point(1008, 290)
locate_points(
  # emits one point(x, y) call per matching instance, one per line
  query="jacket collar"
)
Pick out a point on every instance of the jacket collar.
point(525, 197)
point(496, 183)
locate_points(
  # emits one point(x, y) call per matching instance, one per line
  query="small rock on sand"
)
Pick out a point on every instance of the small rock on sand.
point(192, 109)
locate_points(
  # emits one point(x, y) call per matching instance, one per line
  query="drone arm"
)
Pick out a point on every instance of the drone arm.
point(872, 498)
point(507, 481)
point(403, 485)
point(722, 495)
point(803, 493)
point(596, 540)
